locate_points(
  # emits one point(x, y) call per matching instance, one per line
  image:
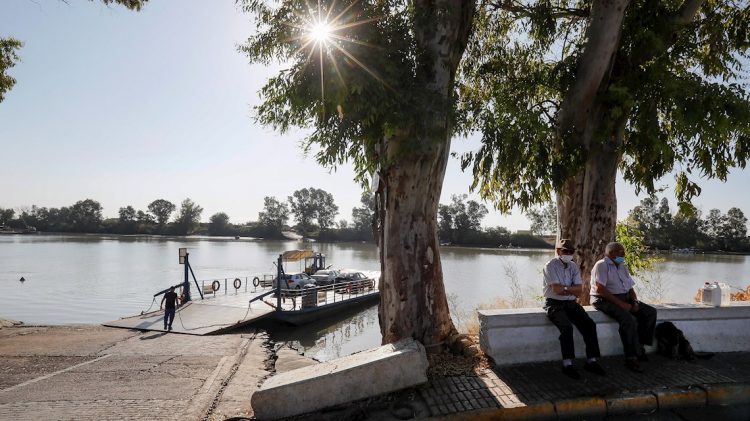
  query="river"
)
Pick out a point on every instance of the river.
point(78, 279)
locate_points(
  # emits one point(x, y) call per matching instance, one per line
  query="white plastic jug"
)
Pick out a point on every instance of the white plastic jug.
point(716, 294)
point(707, 294)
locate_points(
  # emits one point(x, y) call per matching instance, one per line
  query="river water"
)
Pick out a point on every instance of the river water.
point(72, 279)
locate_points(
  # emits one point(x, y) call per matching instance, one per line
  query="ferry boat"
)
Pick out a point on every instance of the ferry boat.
point(218, 305)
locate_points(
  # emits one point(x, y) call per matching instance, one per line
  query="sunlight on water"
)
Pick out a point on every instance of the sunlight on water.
point(93, 279)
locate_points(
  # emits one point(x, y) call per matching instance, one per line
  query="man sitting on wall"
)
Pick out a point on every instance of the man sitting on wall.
point(562, 284)
point(613, 294)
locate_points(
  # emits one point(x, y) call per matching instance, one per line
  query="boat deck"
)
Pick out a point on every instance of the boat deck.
point(223, 310)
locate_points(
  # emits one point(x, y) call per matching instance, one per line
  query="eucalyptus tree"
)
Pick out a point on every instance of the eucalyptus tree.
point(374, 83)
point(566, 93)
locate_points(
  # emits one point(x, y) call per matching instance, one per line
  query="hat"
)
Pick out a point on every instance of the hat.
point(566, 244)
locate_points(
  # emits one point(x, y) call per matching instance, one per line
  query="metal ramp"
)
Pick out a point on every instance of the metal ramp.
point(197, 318)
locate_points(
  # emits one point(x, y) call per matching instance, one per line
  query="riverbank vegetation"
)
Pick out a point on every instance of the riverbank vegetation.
point(459, 223)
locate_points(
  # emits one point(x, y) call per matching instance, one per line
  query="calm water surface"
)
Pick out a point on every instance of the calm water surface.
point(93, 279)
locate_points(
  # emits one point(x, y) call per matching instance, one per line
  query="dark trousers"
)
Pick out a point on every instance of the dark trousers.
point(168, 317)
point(565, 315)
point(636, 329)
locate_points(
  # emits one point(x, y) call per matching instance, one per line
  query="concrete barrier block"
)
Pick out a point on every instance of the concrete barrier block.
point(630, 403)
point(581, 408)
point(368, 373)
point(727, 393)
point(672, 397)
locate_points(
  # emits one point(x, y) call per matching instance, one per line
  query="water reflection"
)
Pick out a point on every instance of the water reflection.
point(336, 336)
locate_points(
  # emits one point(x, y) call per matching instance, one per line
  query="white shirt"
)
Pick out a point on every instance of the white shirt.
point(615, 278)
point(557, 272)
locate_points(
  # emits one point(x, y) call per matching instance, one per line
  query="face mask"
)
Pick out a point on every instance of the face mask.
point(566, 258)
point(619, 260)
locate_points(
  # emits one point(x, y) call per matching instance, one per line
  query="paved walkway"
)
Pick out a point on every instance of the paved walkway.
point(98, 373)
point(541, 391)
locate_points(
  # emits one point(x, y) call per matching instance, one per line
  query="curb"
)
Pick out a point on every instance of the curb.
point(717, 394)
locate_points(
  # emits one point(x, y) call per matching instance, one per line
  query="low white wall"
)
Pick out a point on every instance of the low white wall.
point(526, 335)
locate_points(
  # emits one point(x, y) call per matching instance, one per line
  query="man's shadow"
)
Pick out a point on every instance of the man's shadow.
point(152, 336)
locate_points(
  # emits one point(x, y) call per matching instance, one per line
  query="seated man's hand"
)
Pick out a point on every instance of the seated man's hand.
point(634, 307)
point(627, 307)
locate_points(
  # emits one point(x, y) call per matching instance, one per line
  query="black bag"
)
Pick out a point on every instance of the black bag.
point(671, 343)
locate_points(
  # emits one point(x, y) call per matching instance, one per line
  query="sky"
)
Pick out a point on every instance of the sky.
point(127, 107)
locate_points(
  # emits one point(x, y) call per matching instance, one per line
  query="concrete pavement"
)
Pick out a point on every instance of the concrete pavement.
point(98, 373)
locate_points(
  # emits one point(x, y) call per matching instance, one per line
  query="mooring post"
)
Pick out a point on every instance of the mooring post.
point(186, 283)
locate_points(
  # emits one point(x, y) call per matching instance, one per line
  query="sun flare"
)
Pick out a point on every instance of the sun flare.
point(321, 32)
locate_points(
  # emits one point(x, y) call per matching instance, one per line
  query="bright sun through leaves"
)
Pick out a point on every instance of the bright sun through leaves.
point(323, 34)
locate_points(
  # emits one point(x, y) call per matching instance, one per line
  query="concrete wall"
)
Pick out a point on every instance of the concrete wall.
point(525, 335)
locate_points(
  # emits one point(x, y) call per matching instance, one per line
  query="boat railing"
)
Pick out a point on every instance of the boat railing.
point(314, 296)
point(236, 284)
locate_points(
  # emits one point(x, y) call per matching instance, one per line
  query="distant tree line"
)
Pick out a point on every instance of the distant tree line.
point(314, 211)
point(661, 229)
point(85, 216)
point(688, 227)
point(460, 223)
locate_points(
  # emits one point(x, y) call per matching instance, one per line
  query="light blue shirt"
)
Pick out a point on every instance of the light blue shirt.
point(557, 272)
point(615, 278)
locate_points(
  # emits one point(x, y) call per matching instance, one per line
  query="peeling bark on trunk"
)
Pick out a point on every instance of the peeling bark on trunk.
point(413, 301)
point(587, 206)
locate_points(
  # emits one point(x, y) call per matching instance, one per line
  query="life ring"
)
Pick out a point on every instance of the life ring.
point(215, 285)
point(237, 283)
point(256, 281)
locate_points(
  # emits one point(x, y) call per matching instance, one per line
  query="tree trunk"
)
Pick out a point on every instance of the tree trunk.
point(413, 301)
point(587, 203)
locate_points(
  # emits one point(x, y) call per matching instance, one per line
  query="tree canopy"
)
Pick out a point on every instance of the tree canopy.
point(161, 209)
point(8, 59)
point(188, 218)
point(312, 205)
point(274, 214)
point(673, 89)
point(460, 218)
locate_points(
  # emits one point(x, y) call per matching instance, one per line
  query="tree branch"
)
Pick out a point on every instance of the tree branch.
point(522, 10)
point(603, 40)
point(687, 11)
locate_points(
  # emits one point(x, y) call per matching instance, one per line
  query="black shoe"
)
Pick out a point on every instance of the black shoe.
point(594, 367)
point(632, 365)
point(642, 357)
point(170, 328)
point(571, 372)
